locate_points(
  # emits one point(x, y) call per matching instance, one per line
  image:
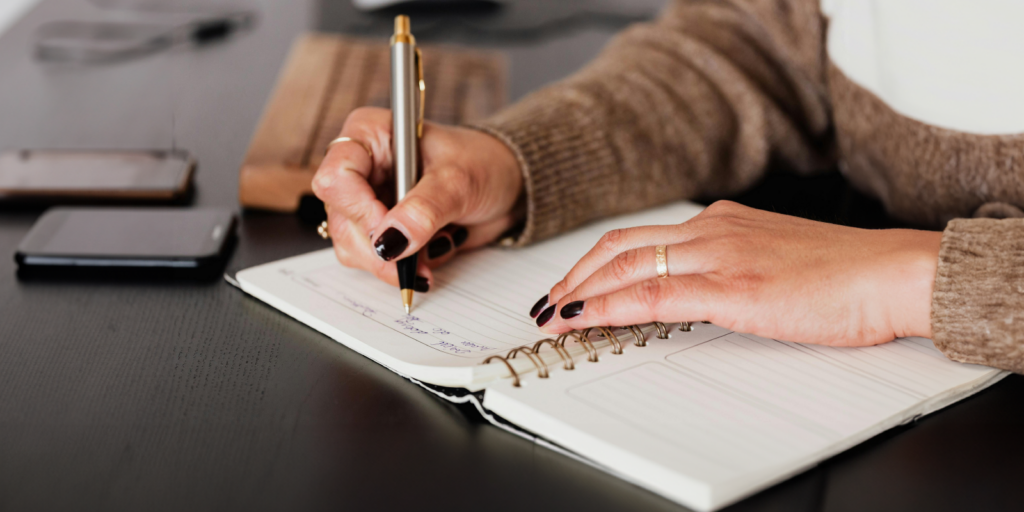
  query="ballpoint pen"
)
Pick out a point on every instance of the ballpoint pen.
point(407, 95)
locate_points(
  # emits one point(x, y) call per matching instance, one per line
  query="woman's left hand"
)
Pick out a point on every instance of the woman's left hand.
point(752, 271)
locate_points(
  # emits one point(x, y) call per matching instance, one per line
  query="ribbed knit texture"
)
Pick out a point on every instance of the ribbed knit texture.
point(698, 102)
point(924, 174)
point(978, 301)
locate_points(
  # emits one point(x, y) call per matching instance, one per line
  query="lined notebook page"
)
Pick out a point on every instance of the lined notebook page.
point(477, 306)
point(723, 412)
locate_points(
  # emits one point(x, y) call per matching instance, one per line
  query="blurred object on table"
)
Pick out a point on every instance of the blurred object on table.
point(178, 6)
point(111, 41)
point(371, 5)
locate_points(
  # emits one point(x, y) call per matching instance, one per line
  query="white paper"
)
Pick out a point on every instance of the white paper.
point(477, 306)
point(710, 416)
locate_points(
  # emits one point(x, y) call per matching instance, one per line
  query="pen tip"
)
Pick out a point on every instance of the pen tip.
point(407, 300)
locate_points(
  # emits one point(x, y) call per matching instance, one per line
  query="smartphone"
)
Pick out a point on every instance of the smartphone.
point(62, 177)
point(127, 242)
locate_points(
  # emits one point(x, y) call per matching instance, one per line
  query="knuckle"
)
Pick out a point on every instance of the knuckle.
point(318, 182)
point(558, 289)
point(597, 309)
point(610, 241)
point(711, 209)
point(425, 212)
point(623, 266)
point(571, 281)
point(363, 114)
point(324, 180)
point(650, 294)
point(722, 206)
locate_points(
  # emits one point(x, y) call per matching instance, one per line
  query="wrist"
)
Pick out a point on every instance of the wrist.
point(915, 272)
point(503, 162)
point(507, 164)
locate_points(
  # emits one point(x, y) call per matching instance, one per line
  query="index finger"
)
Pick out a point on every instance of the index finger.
point(670, 299)
point(611, 245)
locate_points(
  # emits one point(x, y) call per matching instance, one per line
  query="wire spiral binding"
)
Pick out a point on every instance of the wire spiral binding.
point(608, 335)
point(662, 330)
point(688, 326)
point(637, 334)
point(562, 352)
point(585, 341)
point(583, 338)
point(515, 376)
point(542, 369)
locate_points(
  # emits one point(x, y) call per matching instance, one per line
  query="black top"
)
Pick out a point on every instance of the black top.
point(150, 396)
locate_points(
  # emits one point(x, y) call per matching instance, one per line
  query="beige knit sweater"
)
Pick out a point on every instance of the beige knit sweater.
point(700, 101)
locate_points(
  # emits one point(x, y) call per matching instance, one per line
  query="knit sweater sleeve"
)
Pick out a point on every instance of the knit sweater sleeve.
point(697, 102)
point(978, 298)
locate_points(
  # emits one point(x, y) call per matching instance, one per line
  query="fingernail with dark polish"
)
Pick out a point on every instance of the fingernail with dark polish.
point(421, 285)
point(572, 309)
point(459, 236)
point(390, 244)
point(539, 306)
point(439, 247)
point(545, 316)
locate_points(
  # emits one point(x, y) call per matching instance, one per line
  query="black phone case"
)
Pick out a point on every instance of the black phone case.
point(84, 268)
point(206, 269)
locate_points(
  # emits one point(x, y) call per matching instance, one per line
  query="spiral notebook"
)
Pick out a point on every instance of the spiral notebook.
point(694, 412)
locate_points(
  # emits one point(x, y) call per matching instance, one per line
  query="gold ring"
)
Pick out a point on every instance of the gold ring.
point(322, 230)
point(661, 256)
point(339, 140)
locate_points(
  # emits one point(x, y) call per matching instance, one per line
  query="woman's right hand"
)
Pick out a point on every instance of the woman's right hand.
point(468, 190)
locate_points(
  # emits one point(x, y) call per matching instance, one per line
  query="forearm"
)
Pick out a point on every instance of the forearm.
point(978, 302)
point(696, 103)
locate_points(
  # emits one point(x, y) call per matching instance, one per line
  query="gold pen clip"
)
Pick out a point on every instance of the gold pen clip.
point(423, 92)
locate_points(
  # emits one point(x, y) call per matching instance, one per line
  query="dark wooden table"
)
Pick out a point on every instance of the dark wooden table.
point(195, 397)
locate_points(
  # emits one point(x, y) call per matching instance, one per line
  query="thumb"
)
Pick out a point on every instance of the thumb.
point(438, 199)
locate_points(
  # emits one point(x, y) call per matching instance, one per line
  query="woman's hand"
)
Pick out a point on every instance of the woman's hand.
point(465, 197)
point(758, 272)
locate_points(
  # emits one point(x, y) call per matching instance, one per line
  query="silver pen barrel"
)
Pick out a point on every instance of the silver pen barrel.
point(404, 108)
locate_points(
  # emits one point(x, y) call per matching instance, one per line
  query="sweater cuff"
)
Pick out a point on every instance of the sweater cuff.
point(564, 157)
point(978, 298)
